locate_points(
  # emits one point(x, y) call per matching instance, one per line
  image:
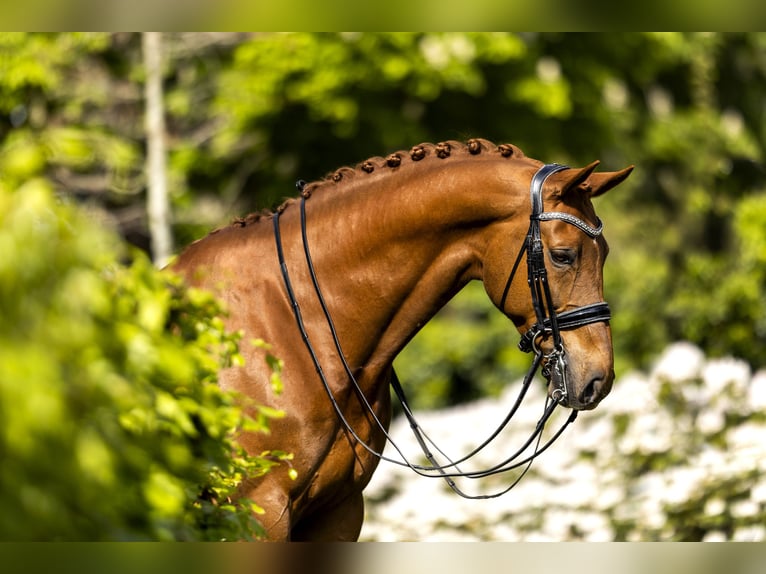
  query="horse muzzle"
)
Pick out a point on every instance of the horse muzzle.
point(563, 388)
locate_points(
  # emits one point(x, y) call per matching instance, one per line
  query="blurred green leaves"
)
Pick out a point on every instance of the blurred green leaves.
point(113, 427)
point(466, 352)
point(332, 76)
point(248, 114)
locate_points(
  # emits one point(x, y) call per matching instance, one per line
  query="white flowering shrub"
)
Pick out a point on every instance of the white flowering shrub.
point(675, 454)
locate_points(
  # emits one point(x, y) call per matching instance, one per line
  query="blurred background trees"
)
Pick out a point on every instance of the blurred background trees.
point(248, 114)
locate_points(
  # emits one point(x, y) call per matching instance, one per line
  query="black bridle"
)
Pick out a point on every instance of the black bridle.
point(549, 323)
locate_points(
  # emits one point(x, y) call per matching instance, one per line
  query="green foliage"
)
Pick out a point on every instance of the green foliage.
point(54, 91)
point(111, 424)
point(302, 70)
point(34, 61)
point(467, 351)
point(100, 399)
point(248, 114)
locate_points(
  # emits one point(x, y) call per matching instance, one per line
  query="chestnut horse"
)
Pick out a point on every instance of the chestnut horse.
point(391, 241)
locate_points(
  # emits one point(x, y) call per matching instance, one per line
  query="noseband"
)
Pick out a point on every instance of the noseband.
point(548, 323)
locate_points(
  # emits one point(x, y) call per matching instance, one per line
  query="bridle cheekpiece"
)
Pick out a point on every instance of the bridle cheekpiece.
point(549, 322)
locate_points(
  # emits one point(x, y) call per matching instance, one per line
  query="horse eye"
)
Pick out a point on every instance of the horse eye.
point(562, 257)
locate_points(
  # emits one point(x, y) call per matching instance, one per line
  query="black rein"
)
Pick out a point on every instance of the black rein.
point(548, 322)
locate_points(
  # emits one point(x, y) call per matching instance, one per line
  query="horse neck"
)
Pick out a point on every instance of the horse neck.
point(389, 253)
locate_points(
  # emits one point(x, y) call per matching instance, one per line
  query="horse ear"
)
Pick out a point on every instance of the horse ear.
point(599, 183)
point(570, 179)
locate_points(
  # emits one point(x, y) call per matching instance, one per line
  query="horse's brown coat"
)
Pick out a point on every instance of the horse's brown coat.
point(392, 241)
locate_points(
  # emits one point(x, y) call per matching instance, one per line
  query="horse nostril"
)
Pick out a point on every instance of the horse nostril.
point(591, 391)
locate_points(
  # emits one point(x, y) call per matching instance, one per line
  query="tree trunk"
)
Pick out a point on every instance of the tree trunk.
point(157, 203)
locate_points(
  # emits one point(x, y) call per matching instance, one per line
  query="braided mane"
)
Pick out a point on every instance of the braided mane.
point(426, 152)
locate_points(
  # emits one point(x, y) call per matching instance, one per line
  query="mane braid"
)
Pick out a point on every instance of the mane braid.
point(422, 152)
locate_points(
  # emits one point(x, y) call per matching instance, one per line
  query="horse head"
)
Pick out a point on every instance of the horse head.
point(558, 305)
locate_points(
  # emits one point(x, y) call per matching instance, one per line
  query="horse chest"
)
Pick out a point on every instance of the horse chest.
point(346, 466)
